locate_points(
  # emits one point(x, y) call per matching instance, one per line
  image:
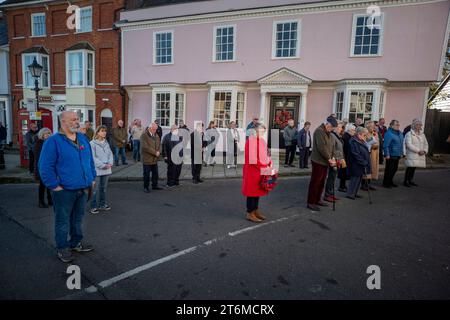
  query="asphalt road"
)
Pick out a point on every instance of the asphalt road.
point(192, 242)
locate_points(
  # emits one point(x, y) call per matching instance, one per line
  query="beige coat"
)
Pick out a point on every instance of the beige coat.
point(374, 156)
point(413, 144)
point(150, 144)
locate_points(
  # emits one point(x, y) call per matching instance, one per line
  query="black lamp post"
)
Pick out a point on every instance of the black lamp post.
point(36, 71)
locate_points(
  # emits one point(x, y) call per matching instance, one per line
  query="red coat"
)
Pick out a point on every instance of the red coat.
point(255, 162)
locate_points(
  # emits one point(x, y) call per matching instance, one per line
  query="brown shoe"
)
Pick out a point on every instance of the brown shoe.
point(252, 217)
point(259, 215)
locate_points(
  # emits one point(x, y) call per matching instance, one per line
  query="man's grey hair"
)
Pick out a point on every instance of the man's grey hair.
point(349, 126)
point(361, 130)
point(42, 132)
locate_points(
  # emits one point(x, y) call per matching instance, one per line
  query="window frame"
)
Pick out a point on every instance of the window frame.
point(377, 90)
point(37, 14)
point(173, 92)
point(84, 69)
point(234, 93)
point(214, 56)
point(274, 39)
point(92, 14)
point(25, 70)
point(381, 36)
point(155, 33)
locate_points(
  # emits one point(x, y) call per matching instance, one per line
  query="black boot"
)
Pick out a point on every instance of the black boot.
point(42, 204)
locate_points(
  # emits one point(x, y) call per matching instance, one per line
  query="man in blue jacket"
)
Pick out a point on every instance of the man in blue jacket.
point(67, 168)
point(393, 151)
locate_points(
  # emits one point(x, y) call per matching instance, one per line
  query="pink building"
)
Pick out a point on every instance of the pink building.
point(228, 60)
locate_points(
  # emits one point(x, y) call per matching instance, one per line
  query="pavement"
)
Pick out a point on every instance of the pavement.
point(192, 242)
point(133, 171)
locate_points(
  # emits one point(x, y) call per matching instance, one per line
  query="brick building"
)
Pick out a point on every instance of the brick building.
point(81, 60)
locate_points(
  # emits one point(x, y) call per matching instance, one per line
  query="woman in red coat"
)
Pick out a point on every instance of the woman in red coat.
point(257, 163)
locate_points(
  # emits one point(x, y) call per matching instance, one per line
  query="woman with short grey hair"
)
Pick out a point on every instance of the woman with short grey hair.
point(416, 148)
point(358, 161)
point(43, 134)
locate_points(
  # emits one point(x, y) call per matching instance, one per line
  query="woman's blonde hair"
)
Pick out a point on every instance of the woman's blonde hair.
point(102, 127)
point(42, 132)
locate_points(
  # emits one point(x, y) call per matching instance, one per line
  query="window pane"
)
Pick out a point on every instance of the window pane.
point(163, 48)
point(85, 19)
point(39, 25)
point(286, 39)
point(224, 43)
point(366, 39)
point(76, 69)
point(44, 76)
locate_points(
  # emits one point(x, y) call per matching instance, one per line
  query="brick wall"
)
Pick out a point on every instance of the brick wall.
point(105, 41)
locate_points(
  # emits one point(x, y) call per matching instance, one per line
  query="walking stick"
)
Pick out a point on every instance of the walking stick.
point(334, 192)
point(368, 186)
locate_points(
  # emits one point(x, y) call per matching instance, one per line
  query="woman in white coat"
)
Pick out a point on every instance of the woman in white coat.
point(416, 148)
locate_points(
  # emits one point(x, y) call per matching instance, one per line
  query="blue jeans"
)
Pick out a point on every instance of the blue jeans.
point(116, 155)
point(69, 206)
point(101, 183)
point(136, 150)
point(355, 182)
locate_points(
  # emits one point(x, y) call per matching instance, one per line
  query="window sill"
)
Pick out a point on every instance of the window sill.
point(223, 61)
point(59, 35)
point(286, 58)
point(79, 32)
point(365, 55)
point(43, 36)
point(19, 38)
point(105, 84)
point(163, 64)
point(106, 29)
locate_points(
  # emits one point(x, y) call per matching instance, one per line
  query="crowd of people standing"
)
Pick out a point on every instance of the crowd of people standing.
point(73, 166)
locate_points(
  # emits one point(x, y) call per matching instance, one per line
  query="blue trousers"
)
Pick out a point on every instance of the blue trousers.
point(137, 150)
point(69, 207)
point(118, 150)
point(355, 182)
point(101, 184)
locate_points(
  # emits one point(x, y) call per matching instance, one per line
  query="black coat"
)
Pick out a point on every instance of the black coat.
point(37, 154)
point(3, 133)
point(301, 140)
point(168, 144)
point(197, 144)
point(358, 158)
point(159, 132)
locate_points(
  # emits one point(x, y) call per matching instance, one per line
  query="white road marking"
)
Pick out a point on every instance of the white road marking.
point(135, 271)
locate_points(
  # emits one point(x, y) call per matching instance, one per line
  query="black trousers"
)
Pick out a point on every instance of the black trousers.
point(42, 189)
point(390, 170)
point(31, 161)
point(252, 203)
point(381, 152)
point(196, 170)
point(173, 173)
point(409, 174)
point(304, 155)
point(290, 154)
point(153, 168)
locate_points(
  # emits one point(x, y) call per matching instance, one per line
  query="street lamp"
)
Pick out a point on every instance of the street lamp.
point(36, 71)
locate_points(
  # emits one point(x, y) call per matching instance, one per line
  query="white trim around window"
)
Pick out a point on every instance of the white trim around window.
point(377, 92)
point(380, 35)
point(172, 100)
point(25, 70)
point(84, 69)
point(83, 29)
point(298, 39)
point(234, 90)
point(33, 31)
point(172, 49)
point(214, 57)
